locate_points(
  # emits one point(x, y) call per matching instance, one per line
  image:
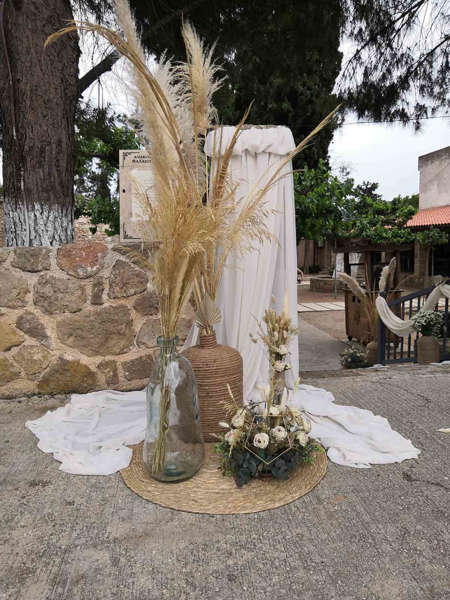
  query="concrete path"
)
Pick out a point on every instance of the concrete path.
point(317, 349)
point(369, 534)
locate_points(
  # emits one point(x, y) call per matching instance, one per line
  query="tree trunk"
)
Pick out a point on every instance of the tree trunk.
point(38, 94)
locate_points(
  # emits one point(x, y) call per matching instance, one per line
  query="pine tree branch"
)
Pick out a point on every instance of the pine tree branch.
point(102, 67)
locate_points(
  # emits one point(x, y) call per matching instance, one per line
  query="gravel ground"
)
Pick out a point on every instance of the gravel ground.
point(368, 534)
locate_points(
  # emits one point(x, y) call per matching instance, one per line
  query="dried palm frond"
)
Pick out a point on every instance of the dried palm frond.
point(367, 299)
point(207, 314)
point(357, 290)
point(387, 276)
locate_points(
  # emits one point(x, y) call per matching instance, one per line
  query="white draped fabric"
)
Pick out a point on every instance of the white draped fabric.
point(250, 281)
point(91, 433)
point(404, 327)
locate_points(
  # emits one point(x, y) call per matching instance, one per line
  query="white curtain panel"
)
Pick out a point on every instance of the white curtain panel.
point(251, 280)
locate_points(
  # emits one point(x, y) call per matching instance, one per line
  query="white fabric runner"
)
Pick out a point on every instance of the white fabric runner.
point(89, 435)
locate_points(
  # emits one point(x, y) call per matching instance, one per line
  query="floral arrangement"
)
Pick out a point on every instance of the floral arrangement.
point(353, 357)
point(429, 322)
point(267, 437)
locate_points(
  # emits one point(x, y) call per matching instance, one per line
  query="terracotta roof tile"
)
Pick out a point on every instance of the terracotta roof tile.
point(439, 215)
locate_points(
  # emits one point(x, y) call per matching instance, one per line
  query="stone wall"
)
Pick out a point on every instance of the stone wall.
point(2, 241)
point(76, 318)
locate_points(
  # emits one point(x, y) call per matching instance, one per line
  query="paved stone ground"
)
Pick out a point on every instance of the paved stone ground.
point(369, 534)
point(318, 350)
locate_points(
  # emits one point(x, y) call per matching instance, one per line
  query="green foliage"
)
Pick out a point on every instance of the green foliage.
point(399, 69)
point(432, 237)
point(244, 465)
point(320, 202)
point(429, 322)
point(99, 136)
point(354, 357)
point(329, 207)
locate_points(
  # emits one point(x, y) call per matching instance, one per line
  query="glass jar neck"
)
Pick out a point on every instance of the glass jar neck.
point(167, 346)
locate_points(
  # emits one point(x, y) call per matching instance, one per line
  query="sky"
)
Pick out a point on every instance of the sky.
point(387, 154)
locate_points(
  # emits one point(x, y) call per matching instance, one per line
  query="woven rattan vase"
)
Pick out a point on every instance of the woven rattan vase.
point(214, 366)
point(428, 350)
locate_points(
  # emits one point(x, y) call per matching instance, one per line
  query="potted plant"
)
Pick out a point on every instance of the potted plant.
point(428, 323)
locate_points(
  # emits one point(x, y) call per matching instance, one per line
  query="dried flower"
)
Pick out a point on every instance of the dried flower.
point(275, 411)
point(281, 366)
point(302, 438)
point(239, 418)
point(282, 350)
point(306, 425)
point(261, 440)
point(279, 433)
point(233, 436)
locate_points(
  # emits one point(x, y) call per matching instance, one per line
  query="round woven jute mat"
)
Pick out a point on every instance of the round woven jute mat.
point(209, 492)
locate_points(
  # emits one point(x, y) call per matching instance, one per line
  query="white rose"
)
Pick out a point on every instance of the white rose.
point(275, 411)
point(283, 350)
point(239, 418)
point(280, 366)
point(279, 433)
point(306, 425)
point(261, 440)
point(302, 438)
point(232, 436)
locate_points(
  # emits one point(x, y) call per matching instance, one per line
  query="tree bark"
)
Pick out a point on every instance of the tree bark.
point(38, 94)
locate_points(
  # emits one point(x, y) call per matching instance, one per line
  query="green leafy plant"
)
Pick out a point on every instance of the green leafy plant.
point(429, 322)
point(354, 358)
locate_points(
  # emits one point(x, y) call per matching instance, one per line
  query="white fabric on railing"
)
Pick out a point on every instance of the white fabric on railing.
point(403, 327)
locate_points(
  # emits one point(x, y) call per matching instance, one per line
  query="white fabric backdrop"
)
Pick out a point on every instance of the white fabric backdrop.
point(250, 281)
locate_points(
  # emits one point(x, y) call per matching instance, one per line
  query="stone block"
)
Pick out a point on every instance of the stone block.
point(109, 370)
point(32, 260)
point(184, 327)
point(8, 371)
point(126, 280)
point(9, 337)
point(99, 331)
point(81, 260)
point(67, 376)
point(30, 324)
point(150, 330)
point(17, 389)
point(98, 287)
point(54, 294)
point(13, 290)
point(32, 359)
point(147, 304)
point(138, 368)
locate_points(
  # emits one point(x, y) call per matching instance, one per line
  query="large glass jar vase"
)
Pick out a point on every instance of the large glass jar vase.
point(173, 446)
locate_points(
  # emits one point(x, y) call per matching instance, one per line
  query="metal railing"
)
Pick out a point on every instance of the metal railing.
point(395, 349)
